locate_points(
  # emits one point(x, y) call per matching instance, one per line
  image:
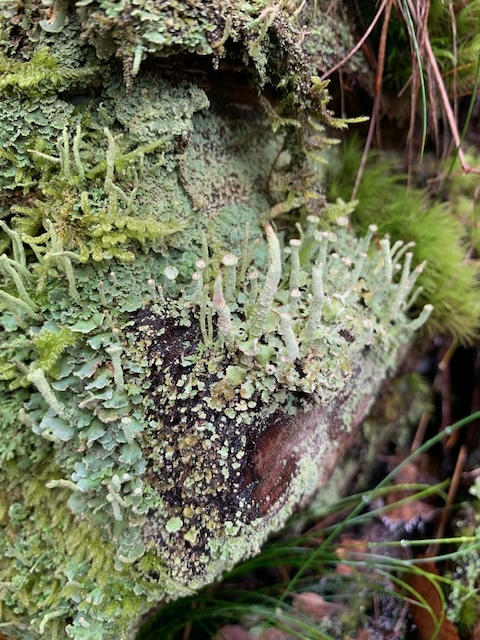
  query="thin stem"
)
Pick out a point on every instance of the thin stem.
point(359, 43)
point(378, 97)
point(370, 495)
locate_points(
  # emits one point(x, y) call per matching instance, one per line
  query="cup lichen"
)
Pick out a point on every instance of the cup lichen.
point(154, 429)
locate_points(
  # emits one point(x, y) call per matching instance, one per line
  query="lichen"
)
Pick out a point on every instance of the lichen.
point(154, 330)
point(153, 422)
point(435, 226)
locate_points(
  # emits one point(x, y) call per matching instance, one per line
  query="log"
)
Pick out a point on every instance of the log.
point(190, 334)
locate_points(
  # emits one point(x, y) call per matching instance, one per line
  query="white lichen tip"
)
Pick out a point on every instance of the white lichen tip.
point(200, 264)
point(230, 260)
point(422, 318)
point(170, 273)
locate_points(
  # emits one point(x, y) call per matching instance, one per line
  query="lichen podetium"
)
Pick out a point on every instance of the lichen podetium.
point(174, 370)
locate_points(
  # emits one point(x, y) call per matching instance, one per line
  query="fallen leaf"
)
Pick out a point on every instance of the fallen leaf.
point(349, 549)
point(315, 606)
point(428, 622)
point(232, 632)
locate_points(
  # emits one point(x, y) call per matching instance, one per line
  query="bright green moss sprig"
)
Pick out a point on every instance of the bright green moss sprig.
point(90, 211)
point(41, 75)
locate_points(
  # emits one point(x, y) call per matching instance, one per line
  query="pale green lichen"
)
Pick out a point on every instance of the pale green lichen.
point(150, 336)
point(207, 402)
point(119, 409)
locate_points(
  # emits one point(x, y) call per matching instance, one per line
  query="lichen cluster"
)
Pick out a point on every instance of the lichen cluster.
point(150, 336)
point(230, 358)
point(153, 395)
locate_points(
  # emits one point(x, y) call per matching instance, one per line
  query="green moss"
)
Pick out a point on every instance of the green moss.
point(41, 75)
point(50, 345)
point(59, 569)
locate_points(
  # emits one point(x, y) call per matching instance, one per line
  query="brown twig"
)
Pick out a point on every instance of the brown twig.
point(450, 117)
point(452, 492)
point(359, 43)
point(378, 95)
point(421, 430)
point(453, 20)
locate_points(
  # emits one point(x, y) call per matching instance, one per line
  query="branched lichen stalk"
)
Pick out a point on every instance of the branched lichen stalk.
point(9, 269)
point(230, 262)
point(77, 140)
point(387, 259)
point(288, 335)
point(39, 379)
point(17, 244)
point(295, 245)
point(316, 304)
point(224, 321)
point(63, 146)
point(14, 304)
